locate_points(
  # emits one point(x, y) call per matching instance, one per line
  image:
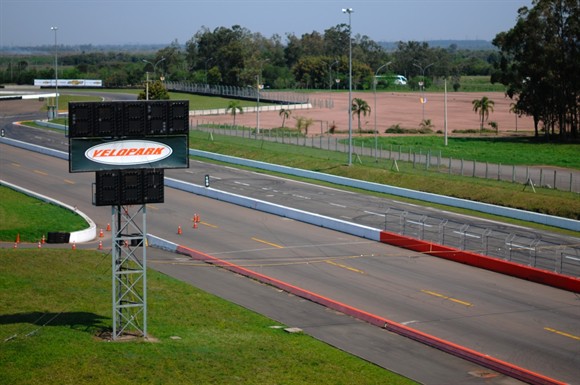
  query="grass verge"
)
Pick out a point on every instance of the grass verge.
point(513, 150)
point(548, 201)
point(54, 303)
point(32, 218)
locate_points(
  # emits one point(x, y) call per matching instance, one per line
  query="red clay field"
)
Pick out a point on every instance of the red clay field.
point(404, 109)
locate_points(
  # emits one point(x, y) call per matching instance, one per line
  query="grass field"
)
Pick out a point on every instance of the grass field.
point(31, 218)
point(516, 150)
point(545, 200)
point(54, 304)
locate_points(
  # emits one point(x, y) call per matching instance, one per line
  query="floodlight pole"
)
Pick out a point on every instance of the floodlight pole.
point(330, 75)
point(445, 114)
point(258, 86)
point(375, 92)
point(349, 11)
point(55, 73)
point(423, 69)
point(154, 72)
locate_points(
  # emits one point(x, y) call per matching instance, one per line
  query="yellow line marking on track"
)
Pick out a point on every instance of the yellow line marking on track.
point(464, 303)
point(40, 172)
point(562, 333)
point(69, 181)
point(268, 243)
point(16, 164)
point(208, 224)
point(344, 266)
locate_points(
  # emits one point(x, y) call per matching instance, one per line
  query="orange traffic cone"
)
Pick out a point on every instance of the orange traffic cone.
point(101, 235)
point(74, 245)
point(15, 245)
point(43, 240)
point(100, 245)
point(108, 227)
point(195, 225)
point(179, 230)
point(18, 238)
point(39, 245)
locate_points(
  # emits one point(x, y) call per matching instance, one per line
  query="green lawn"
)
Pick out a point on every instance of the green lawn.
point(55, 303)
point(549, 201)
point(505, 150)
point(31, 218)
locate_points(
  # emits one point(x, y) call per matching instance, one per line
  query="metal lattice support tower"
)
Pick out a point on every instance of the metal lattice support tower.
point(129, 264)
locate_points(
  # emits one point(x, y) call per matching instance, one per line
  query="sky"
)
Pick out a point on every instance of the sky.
point(114, 22)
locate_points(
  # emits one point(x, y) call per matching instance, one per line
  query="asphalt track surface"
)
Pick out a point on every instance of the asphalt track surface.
point(523, 323)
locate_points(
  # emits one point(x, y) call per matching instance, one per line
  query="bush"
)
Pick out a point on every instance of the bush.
point(397, 129)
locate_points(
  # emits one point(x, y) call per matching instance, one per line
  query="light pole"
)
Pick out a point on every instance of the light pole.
point(258, 86)
point(154, 72)
point(422, 85)
point(207, 61)
point(349, 11)
point(375, 92)
point(330, 75)
point(55, 72)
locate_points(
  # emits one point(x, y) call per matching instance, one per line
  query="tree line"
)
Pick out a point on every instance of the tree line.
point(238, 57)
point(537, 60)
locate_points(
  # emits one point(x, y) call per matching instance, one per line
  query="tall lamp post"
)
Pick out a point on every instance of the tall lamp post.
point(330, 75)
point(258, 87)
point(375, 92)
point(349, 11)
point(154, 72)
point(55, 72)
point(422, 85)
point(206, 62)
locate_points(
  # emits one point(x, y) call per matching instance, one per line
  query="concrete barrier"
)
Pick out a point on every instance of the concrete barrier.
point(283, 211)
point(507, 212)
point(35, 148)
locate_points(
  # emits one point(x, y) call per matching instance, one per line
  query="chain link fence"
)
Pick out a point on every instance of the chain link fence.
point(546, 177)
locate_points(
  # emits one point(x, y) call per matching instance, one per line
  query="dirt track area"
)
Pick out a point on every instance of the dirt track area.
point(404, 109)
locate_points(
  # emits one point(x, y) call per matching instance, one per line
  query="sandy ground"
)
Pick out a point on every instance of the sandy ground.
point(404, 109)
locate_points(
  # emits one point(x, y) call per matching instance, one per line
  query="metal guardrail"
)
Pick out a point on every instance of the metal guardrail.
point(510, 246)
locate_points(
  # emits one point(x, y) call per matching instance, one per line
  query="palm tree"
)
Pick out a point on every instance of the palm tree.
point(360, 106)
point(284, 113)
point(483, 106)
point(234, 107)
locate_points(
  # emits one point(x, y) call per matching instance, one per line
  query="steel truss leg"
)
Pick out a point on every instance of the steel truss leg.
point(129, 271)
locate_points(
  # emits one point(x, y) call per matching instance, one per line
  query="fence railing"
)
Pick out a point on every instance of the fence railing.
point(526, 249)
point(319, 137)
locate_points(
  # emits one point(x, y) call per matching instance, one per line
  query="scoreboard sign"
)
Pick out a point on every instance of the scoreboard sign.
point(128, 135)
point(129, 187)
point(128, 145)
point(128, 119)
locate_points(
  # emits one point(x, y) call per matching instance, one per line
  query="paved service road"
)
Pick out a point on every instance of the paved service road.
point(524, 323)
